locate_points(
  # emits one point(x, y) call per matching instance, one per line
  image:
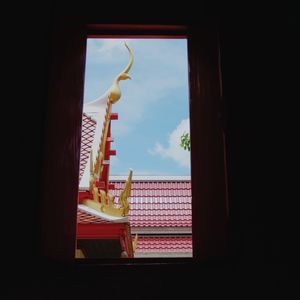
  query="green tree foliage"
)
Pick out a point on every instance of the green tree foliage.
point(185, 142)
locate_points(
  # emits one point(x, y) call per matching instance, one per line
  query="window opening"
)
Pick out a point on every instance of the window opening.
point(135, 185)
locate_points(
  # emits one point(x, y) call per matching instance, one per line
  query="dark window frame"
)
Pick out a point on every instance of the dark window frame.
point(62, 149)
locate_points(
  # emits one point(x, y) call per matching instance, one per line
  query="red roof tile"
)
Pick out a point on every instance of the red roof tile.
point(159, 204)
point(87, 136)
point(164, 244)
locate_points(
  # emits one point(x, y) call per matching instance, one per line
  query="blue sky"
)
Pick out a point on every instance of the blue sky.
point(153, 110)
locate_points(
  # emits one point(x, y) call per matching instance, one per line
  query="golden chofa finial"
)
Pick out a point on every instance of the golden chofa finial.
point(114, 92)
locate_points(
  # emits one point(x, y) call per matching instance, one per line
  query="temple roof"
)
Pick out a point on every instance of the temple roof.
point(159, 203)
point(158, 206)
point(87, 137)
point(151, 246)
point(92, 121)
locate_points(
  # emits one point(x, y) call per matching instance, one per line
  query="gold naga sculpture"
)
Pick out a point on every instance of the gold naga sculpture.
point(114, 93)
point(102, 201)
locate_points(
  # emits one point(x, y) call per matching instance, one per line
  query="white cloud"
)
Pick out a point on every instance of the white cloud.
point(106, 51)
point(174, 150)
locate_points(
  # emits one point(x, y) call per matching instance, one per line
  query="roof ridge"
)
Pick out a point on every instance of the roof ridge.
point(151, 177)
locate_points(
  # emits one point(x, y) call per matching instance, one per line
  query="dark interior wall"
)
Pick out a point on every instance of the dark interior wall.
point(259, 84)
point(259, 63)
point(26, 61)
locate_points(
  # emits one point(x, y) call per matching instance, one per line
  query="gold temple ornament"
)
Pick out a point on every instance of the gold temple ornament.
point(103, 201)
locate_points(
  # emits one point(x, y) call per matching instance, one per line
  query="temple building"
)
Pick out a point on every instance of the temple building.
point(132, 216)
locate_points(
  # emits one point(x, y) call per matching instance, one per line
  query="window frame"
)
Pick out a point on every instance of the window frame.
point(210, 211)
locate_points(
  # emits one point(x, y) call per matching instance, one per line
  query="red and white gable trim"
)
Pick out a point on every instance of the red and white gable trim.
point(87, 215)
